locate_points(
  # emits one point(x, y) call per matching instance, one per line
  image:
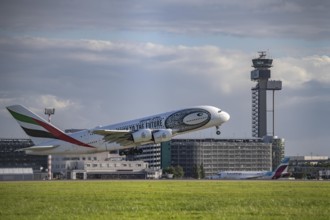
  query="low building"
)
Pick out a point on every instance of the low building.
point(324, 174)
point(11, 157)
point(309, 167)
point(10, 174)
point(101, 166)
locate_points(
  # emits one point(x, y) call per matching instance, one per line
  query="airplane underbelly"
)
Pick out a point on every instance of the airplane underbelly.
point(73, 149)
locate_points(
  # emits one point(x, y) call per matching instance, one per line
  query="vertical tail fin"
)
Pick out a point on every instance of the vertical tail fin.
point(281, 169)
point(34, 126)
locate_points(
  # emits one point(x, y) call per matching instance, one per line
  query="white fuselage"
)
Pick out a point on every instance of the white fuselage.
point(168, 125)
point(240, 175)
point(280, 171)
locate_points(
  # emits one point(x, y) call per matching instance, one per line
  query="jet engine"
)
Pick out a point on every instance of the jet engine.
point(162, 135)
point(142, 135)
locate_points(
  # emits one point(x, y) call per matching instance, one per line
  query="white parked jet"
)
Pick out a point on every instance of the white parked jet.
point(50, 140)
point(281, 171)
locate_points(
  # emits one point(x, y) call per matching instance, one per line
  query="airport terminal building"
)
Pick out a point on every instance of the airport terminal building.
point(151, 153)
point(309, 167)
point(10, 157)
point(216, 155)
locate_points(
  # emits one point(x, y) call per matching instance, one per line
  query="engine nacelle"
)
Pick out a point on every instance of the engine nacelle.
point(142, 135)
point(162, 135)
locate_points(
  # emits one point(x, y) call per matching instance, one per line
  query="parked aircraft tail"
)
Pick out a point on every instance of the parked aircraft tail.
point(281, 169)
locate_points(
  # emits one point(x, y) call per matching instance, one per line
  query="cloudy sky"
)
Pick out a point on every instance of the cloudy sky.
point(101, 62)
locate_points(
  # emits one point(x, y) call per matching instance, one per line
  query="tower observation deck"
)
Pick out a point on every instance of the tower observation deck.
point(261, 75)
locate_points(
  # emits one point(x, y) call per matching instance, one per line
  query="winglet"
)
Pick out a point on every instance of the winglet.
point(38, 148)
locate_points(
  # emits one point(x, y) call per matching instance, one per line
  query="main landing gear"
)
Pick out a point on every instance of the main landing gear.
point(218, 131)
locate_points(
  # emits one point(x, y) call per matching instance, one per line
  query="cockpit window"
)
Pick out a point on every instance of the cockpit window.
point(219, 111)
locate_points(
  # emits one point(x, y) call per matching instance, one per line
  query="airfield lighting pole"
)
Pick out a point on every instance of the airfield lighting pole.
point(49, 112)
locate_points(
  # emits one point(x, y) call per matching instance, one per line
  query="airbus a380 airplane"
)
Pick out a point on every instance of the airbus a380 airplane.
point(50, 140)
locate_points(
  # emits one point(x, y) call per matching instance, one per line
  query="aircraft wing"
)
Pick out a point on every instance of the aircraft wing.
point(123, 137)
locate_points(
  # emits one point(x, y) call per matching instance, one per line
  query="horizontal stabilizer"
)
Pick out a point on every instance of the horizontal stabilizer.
point(38, 148)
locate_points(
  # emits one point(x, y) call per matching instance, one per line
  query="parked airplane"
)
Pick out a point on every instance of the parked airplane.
point(281, 171)
point(50, 140)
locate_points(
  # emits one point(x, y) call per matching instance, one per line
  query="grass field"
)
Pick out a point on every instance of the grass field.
point(165, 200)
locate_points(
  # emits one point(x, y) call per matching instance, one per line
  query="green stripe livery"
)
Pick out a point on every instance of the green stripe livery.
point(22, 118)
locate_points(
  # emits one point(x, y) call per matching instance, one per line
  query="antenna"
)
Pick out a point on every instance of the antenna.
point(49, 112)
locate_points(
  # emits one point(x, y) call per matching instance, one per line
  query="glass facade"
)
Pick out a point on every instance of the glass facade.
point(221, 155)
point(278, 145)
point(11, 158)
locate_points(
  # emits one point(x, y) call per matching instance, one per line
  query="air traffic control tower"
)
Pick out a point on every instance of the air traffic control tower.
point(261, 75)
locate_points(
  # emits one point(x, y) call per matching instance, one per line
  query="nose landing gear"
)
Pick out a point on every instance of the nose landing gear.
point(218, 131)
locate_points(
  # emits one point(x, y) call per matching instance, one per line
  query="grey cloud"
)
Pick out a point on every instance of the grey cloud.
point(294, 19)
point(123, 81)
point(302, 118)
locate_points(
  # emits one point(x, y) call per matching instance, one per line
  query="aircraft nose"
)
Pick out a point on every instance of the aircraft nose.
point(224, 116)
